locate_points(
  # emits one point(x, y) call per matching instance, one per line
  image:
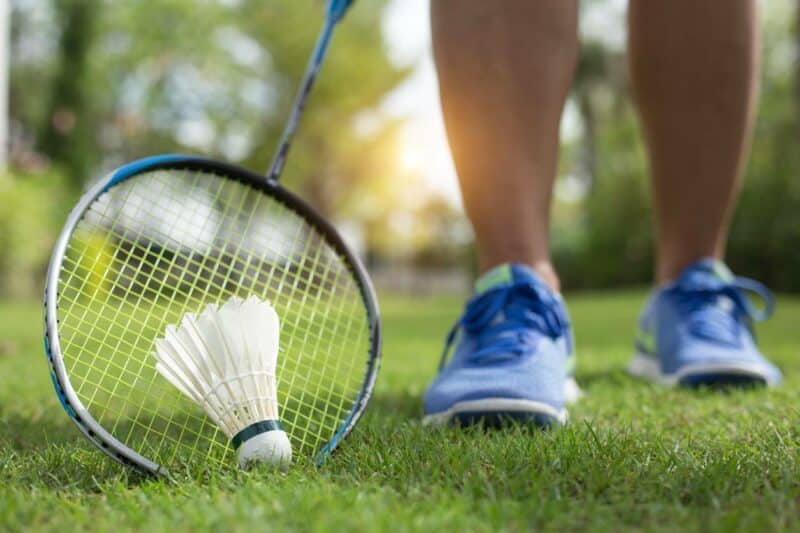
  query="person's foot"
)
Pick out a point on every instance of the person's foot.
point(513, 356)
point(698, 330)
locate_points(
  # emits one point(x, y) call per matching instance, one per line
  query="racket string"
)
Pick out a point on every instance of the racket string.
point(152, 283)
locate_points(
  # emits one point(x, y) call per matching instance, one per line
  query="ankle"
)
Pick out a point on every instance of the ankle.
point(669, 269)
point(546, 271)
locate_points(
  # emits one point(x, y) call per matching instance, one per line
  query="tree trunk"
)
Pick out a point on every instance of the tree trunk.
point(67, 136)
point(796, 38)
point(588, 150)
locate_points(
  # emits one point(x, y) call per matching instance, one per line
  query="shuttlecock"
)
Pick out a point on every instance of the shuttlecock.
point(224, 359)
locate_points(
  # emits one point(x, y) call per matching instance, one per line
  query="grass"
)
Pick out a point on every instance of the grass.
point(634, 456)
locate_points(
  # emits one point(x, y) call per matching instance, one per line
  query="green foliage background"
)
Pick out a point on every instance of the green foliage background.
point(609, 242)
point(95, 83)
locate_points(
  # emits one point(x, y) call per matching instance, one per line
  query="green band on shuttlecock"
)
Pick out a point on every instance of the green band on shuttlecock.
point(255, 429)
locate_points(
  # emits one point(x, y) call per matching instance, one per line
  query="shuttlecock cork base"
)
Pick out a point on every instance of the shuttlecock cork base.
point(263, 442)
point(225, 359)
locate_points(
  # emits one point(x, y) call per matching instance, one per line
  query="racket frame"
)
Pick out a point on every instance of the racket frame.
point(86, 423)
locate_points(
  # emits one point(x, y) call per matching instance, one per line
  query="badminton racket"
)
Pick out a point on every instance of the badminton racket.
point(169, 235)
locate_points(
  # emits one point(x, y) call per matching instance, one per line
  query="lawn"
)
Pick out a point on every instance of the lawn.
point(633, 455)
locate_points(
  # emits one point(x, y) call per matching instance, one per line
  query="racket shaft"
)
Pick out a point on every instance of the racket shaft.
point(314, 65)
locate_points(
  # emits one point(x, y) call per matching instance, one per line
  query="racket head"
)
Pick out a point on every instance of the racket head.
point(99, 267)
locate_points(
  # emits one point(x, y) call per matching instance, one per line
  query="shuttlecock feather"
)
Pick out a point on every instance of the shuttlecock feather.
point(225, 359)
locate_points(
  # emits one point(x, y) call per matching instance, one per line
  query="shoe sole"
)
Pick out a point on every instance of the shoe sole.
point(495, 412)
point(711, 374)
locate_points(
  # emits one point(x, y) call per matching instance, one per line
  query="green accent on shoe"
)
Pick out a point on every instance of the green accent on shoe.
point(646, 340)
point(572, 363)
point(722, 271)
point(497, 276)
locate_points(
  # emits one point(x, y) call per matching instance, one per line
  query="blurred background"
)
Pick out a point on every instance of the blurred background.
point(92, 84)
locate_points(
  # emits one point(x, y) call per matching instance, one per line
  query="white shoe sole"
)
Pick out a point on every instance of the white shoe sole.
point(646, 367)
point(500, 406)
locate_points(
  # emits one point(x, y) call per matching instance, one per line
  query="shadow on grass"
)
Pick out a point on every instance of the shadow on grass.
point(699, 386)
point(612, 377)
point(51, 452)
point(34, 433)
point(403, 405)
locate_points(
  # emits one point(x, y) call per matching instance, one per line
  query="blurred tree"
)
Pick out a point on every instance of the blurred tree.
point(796, 37)
point(612, 244)
point(129, 79)
point(615, 244)
point(592, 71)
point(332, 165)
point(765, 236)
point(96, 83)
point(67, 131)
point(218, 78)
point(403, 217)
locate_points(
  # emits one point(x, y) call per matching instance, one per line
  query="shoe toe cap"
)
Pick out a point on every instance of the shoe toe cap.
point(744, 361)
point(540, 384)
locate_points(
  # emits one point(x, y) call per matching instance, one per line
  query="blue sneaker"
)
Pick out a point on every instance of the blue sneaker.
point(513, 358)
point(699, 331)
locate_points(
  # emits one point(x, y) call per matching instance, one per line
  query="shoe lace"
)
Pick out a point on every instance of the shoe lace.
point(507, 320)
point(716, 310)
